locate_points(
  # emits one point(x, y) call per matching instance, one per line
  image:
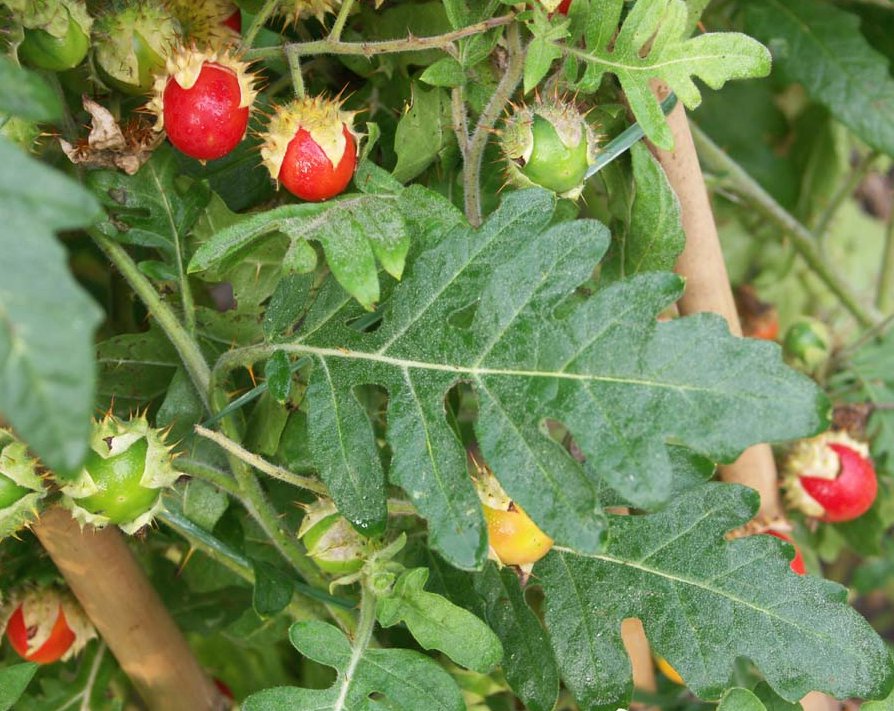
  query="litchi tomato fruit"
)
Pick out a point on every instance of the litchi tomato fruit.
point(514, 537)
point(830, 477)
point(203, 102)
point(311, 148)
point(797, 563)
point(47, 625)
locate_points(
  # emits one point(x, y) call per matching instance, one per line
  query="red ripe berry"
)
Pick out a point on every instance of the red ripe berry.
point(563, 7)
point(57, 644)
point(203, 103)
point(310, 147)
point(797, 564)
point(831, 477)
point(46, 625)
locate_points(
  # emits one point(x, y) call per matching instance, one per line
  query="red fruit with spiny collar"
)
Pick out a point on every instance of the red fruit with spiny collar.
point(203, 102)
point(311, 148)
point(45, 626)
point(797, 563)
point(564, 6)
point(831, 477)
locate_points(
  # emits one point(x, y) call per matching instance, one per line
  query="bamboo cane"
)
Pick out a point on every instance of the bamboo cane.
point(128, 614)
point(708, 289)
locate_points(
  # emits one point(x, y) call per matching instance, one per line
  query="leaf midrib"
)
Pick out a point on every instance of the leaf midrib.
point(477, 373)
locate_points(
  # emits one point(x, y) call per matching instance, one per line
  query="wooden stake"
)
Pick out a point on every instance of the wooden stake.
point(128, 614)
point(708, 289)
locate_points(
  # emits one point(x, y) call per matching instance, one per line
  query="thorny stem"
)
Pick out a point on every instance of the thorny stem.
point(295, 71)
point(486, 121)
point(884, 297)
point(369, 49)
point(183, 342)
point(260, 19)
point(344, 11)
point(802, 239)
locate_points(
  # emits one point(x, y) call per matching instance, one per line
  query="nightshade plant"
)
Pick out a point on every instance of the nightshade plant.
point(356, 356)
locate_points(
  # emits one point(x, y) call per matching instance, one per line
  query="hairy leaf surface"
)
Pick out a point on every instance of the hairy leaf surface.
point(47, 369)
point(704, 601)
point(410, 681)
point(480, 306)
point(821, 47)
point(652, 44)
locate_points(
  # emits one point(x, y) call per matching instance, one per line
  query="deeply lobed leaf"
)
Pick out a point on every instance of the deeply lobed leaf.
point(479, 306)
point(704, 602)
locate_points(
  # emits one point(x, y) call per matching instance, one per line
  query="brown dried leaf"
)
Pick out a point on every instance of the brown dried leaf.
point(109, 145)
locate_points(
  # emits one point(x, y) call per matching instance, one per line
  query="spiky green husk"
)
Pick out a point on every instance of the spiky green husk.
point(130, 46)
point(558, 121)
point(331, 540)
point(23, 486)
point(203, 22)
point(51, 16)
point(296, 10)
point(113, 437)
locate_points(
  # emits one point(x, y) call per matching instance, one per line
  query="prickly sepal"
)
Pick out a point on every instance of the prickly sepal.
point(130, 46)
point(205, 22)
point(21, 489)
point(51, 16)
point(104, 493)
point(296, 10)
point(551, 145)
point(815, 458)
point(40, 609)
point(331, 540)
point(322, 118)
point(21, 132)
point(184, 64)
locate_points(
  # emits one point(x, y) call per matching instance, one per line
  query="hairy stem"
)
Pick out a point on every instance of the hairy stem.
point(183, 342)
point(344, 11)
point(261, 464)
point(369, 49)
point(362, 637)
point(258, 22)
point(460, 119)
point(478, 142)
point(295, 71)
point(802, 239)
point(205, 472)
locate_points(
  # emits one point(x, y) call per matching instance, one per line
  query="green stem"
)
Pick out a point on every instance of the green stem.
point(460, 119)
point(335, 34)
point(802, 239)
point(475, 154)
point(369, 49)
point(205, 472)
point(884, 296)
point(258, 22)
point(261, 464)
point(295, 71)
point(183, 342)
point(237, 563)
point(362, 637)
point(844, 192)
